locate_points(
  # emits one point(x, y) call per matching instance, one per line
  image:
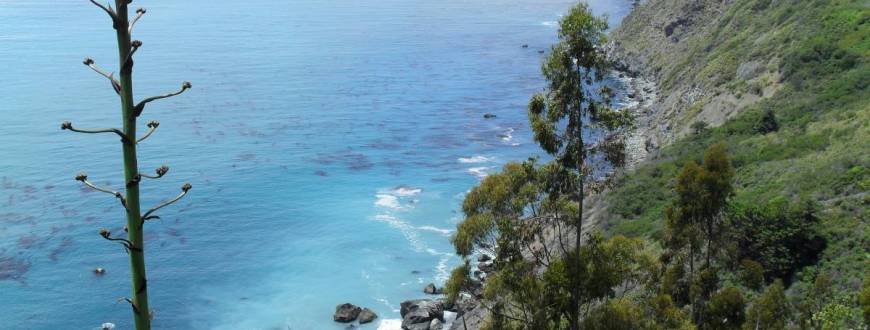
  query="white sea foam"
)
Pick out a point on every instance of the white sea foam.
point(508, 135)
point(407, 230)
point(405, 191)
point(549, 23)
point(480, 172)
point(388, 201)
point(475, 159)
point(436, 229)
point(390, 324)
point(443, 272)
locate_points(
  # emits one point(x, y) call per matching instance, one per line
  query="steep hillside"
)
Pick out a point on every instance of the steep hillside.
point(739, 66)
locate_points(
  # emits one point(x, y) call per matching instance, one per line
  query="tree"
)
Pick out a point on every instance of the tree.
point(130, 111)
point(694, 228)
point(726, 310)
point(770, 310)
point(569, 112)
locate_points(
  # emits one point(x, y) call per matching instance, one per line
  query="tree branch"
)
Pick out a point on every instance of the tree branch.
point(152, 125)
point(115, 84)
point(141, 105)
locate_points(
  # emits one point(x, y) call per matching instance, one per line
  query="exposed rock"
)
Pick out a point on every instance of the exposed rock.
point(483, 257)
point(486, 267)
point(525, 46)
point(417, 314)
point(472, 320)
point(416, 326)
point(489, 116)
point(431, 289)
point(99, 271)
point(436, 324)
point(346, 313)
point(366, 316)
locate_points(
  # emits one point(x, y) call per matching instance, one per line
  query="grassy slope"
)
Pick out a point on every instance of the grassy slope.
point(822, 103)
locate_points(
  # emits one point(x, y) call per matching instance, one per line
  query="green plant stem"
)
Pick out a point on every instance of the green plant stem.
point(131, 170)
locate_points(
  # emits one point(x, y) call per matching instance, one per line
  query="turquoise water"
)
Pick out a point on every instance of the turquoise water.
point(329, 144)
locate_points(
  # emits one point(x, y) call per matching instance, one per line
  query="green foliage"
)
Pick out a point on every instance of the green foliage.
point(458, 281)
point(751, 274)
point(615, 314)
point(662, 312)
point(770, 310)
point(768, 123)
point(864, 299)
point(781, 237)
point(837, 315)
point(725, 310)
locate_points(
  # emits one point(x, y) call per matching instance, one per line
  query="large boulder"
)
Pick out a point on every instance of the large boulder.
point(346, 313)
point(366, 316)
point(417, 314)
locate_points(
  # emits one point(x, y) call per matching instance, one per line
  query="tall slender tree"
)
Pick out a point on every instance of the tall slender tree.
point(129, 199)
point(572, 121)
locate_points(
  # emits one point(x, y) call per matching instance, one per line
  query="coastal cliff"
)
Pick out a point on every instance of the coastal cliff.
point(783, 86)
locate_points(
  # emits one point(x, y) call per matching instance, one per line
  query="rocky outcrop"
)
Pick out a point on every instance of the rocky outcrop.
point(366, 316)
point(346, 313)
point(418, 314)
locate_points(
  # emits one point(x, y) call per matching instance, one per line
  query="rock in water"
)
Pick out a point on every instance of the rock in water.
point(431, 289)
point(366, 316)
point(489, 116)
point(346, 313)
point(483, 257)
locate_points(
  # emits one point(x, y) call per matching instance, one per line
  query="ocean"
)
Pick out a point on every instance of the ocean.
point(329, 145)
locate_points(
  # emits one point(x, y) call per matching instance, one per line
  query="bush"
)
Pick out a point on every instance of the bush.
point(782, 238)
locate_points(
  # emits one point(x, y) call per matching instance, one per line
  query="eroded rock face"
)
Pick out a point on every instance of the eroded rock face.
point(346, 313)
point(366, 316)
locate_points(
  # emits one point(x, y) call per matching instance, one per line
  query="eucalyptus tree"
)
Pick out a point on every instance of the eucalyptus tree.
point(572, 120)
point(129, 198)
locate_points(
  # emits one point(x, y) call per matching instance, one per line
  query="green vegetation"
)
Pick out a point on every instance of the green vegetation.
point(134, 242)
point(819, 149)
point(760, 223)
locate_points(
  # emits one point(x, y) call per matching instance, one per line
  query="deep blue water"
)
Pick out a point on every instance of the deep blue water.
point(329, 144)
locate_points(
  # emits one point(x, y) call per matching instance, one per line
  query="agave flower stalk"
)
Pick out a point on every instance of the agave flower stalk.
point(130, 111)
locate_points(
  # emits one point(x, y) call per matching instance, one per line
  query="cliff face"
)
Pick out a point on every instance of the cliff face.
point(709, 58)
